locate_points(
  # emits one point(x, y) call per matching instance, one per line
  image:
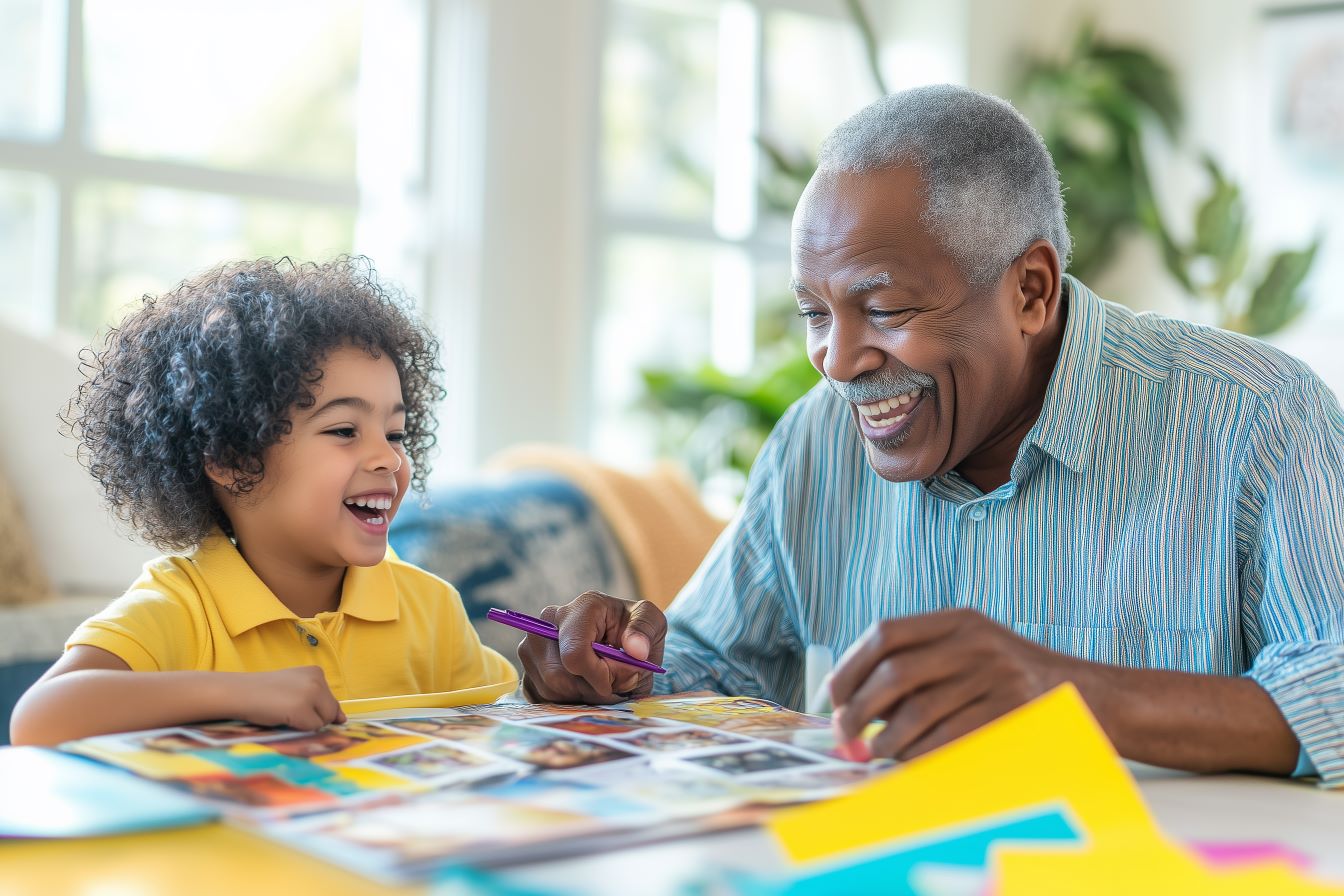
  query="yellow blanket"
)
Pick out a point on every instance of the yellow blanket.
point(657, 518)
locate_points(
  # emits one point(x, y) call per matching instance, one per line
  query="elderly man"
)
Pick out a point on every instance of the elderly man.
point(1006, 483)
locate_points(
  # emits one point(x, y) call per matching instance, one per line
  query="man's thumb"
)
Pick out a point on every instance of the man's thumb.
point(644, 632)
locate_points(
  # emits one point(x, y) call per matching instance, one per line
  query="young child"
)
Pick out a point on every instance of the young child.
point(264, 420)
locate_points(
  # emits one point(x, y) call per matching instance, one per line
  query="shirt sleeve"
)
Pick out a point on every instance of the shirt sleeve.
point(150, 630)
point(471, 663)
point(1291, 523)
point(730, 628)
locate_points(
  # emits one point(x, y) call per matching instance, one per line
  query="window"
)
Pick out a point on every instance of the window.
point(693, 256)
point(142, 141)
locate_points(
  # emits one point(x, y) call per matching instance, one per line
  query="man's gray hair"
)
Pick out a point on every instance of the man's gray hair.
point(992, 188)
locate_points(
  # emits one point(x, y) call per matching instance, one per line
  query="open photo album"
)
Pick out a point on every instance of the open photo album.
point(403, 793)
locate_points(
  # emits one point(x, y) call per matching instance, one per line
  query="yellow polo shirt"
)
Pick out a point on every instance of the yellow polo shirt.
point(398, 630)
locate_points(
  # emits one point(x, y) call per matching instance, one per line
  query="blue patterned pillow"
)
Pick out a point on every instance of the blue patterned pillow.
point(520, 542)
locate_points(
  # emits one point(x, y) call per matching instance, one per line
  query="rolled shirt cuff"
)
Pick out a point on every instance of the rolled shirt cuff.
point(1306, 680)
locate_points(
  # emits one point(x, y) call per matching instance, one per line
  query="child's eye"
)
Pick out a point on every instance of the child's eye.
point(345, 432)
point(396, 437)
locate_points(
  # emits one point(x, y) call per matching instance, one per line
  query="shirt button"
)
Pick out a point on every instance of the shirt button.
point(978, 513)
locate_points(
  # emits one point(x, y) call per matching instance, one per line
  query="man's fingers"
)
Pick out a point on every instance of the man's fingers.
point(888, 636)
point(644, 632)
point(894, 678)
point(959, 724)
point(924, 710)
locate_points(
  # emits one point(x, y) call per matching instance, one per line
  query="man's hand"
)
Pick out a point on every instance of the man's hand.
point(570, 671)
point(937, 676)
point(298, 697)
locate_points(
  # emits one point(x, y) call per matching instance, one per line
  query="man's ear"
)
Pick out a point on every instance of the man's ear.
point(1037, 283)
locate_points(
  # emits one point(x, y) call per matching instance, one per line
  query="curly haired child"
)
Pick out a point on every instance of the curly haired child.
point(263, 422)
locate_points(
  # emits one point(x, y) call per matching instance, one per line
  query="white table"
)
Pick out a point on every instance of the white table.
point(1188, 807)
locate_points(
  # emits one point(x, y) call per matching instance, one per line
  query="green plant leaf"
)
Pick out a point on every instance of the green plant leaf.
point(1220, 222)
point(1278, 300)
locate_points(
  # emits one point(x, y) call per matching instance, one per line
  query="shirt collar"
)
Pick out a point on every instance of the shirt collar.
point(245, 602)
point(1066, 427)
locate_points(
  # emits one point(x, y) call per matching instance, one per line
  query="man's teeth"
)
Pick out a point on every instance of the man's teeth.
point(876, 413)
point(375, 503)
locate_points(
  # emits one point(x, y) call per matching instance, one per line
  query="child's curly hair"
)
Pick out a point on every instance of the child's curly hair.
point(211, 371)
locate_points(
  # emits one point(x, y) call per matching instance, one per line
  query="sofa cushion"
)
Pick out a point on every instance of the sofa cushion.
point(518, 542)
point(21, 578)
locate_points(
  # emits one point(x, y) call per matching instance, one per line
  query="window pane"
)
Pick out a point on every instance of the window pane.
point(659, 108)
point(27, 239)
point(131, 240)
point(32, 67)
point(258, 85)
point(816, 75)
point(656, 315)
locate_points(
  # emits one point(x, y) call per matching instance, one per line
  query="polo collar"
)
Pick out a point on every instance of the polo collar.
point(245, 602)
point(1066, 427)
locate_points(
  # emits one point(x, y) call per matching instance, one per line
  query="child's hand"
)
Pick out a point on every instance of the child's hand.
point(297, 697)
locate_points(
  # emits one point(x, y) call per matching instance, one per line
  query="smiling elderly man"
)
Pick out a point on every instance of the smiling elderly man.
point(1006, 483)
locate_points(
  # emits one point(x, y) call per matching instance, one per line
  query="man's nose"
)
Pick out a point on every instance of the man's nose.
point(848, 353)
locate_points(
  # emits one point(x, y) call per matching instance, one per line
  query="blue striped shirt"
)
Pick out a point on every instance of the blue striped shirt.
point(1178, 504)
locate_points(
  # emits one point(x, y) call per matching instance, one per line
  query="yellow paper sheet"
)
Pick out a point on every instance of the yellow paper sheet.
point(487, 693)
point(1050, 751)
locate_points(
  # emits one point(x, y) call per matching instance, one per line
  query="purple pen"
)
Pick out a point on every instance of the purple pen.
point(534, 626)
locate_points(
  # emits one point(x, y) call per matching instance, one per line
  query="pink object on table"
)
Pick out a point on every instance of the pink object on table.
point(1226, 855)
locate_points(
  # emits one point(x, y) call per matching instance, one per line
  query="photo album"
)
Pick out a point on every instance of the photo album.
point(402, 794)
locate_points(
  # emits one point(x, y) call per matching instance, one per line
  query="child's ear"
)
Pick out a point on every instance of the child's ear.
point(220, 475)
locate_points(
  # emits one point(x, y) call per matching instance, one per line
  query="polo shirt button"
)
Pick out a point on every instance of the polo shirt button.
point(978, 514)
point(312, 641)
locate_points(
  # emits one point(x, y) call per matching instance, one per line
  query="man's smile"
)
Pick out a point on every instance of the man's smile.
point(890, 416)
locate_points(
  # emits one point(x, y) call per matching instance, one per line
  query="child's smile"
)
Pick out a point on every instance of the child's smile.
point(372, 510)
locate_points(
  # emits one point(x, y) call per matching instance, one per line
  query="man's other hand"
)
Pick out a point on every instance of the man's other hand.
point(935, 677)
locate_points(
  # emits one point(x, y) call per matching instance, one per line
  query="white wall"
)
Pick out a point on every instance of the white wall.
point(80, 545)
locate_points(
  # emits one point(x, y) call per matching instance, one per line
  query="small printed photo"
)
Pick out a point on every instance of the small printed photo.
point(520, 712)
point(814, 740)
point(256, 791)
point(678, 740)
point(320, 743)
point(461, 728)
point(429, 763)
point(430, 829)
point(338, 739)
point(171, 742)
point(552, 751)
point(826, 777)
point(601, 724)
point(750, 762)
point(230, 732)
point(743, 715)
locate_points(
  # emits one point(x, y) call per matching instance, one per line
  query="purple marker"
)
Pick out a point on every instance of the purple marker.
point(534, 626)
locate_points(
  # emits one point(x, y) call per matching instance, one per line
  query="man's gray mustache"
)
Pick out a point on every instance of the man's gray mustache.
point(877, 389)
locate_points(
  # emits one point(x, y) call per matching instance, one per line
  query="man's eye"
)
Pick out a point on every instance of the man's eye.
point(345, 432)
point(884, 314)
point(811, 316)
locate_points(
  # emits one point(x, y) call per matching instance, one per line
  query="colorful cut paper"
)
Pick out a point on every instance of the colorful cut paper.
point(895, 873)
point(1050, 751)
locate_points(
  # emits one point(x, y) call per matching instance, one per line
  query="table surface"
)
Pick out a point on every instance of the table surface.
point(219, 859)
